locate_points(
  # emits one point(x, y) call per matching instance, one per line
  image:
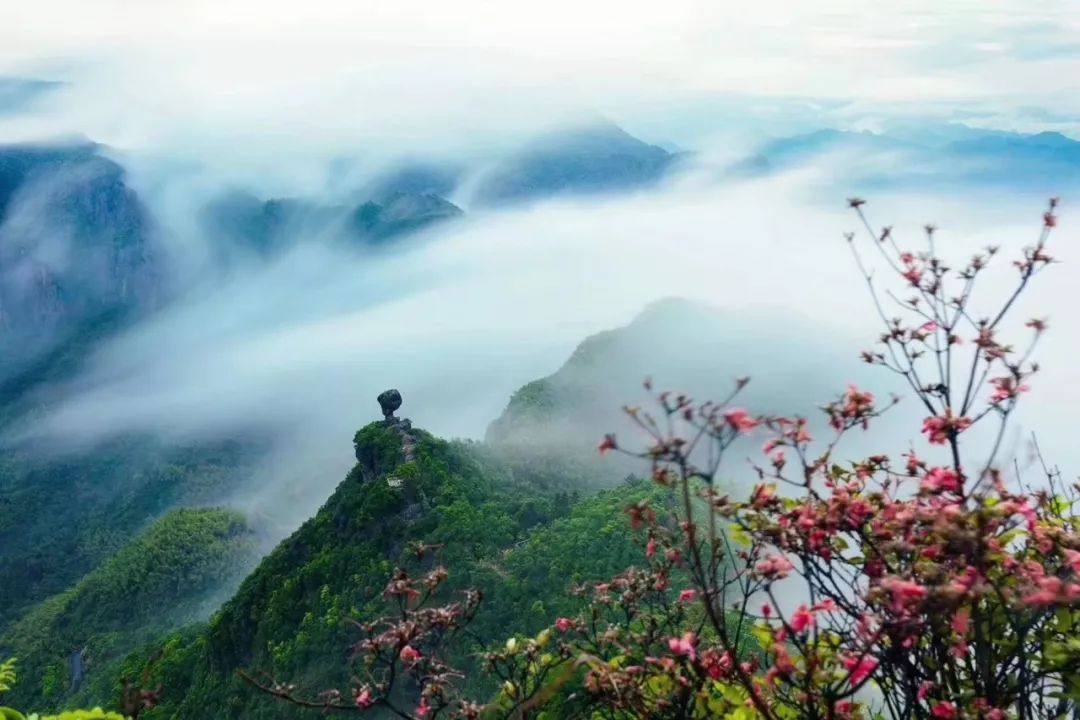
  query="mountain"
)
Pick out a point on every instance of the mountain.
point(399, 214)
point(76, 246)
point(240, 224)
point(932, 156)
point(600, 159)
point(415, 178)
point(170, 575)
point(18, 94)
point(288, 618)
point(684, 346)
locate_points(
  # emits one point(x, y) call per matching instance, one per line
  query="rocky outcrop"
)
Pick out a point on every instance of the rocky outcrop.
point(389, 402)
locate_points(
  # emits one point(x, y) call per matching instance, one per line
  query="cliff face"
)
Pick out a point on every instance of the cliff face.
point(75, 246)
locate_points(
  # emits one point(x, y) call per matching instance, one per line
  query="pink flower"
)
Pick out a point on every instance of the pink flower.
point(762, 495)
point(912, 275)
point(1073, 558)
point(961, 621)
point(802, 620)
point(776, 567)
point(939, 428)
point(564, 624)
point(684, 646)
point(1006, 388)
point(740, 420)
point(904, 592)
point(1047, 594)
point(687, 595)
point(423, 709)
point(941, 479)
point(924, 690)
point(607, 444)
point(409, 655)
point(859, 668)
point(650, 548)
point(943, 710)
point(364, 699)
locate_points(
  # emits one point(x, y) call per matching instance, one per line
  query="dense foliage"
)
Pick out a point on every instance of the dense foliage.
point(62, 517)
point(170, 575)
point(290, 617)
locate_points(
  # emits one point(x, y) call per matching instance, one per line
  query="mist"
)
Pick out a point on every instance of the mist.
point(197, 98)
point(297, 347)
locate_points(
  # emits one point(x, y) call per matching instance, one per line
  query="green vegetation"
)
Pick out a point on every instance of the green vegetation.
point(60, 518)
point(288, 618)
point(170, 575)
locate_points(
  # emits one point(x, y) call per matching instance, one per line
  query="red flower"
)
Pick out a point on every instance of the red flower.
point(687, 595)
point(740, 420)
point(904, 592)
point(939, 428)
point(423, 709)
point(802, 620)
point(961, 621)
point(1048, 593)
point(941, 480)
point(564, 624)
point(684, 646)
point(943, 710)
point(776, 567)
point(409, 655)
point(608, 443)
point(1006, 388)
point(364, 699)
point(859, 668)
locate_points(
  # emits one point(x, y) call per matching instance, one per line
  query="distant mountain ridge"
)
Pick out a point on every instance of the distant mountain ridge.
point(598, 159)
point(1045, 163)
point(76, 244)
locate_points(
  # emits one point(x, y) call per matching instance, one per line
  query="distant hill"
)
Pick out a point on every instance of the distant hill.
point(18, 94)
point(241, 225)
point(684, 346)
point(600, 159)
point(934, 157)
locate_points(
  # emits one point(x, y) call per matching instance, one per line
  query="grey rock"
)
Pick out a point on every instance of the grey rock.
point(389, 401)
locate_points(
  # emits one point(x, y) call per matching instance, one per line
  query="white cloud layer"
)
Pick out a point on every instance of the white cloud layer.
point(265, 80)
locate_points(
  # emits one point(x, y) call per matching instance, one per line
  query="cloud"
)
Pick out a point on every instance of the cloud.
point(253, 86)
point(460, 317)
point(196, 95)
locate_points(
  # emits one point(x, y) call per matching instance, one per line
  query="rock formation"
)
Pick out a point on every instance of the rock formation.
point(390, 401)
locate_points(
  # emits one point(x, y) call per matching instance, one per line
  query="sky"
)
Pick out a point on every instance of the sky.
point(315, 78)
